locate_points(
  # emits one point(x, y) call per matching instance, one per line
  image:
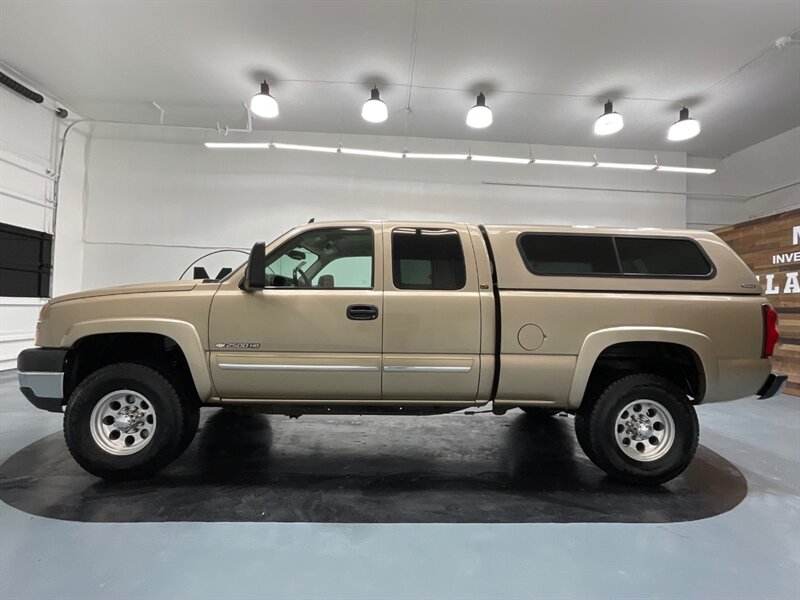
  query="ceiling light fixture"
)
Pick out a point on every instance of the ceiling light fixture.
point(697, 170)
point(632, 166)
point(380, 153)
point(248, 145)
point(565, 163)
point(609, 122)
point(328, 149)
point(500, 159)
point(480, 115)
point(264, 105)
point(374, 109)
point(684, 128)
point(440, 156)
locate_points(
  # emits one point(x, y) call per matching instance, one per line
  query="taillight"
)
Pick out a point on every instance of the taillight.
point(771, 333)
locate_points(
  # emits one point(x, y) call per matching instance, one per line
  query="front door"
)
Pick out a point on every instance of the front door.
point(314, 332)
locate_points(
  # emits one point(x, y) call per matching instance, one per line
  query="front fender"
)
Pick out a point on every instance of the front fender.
point(596, 342)
point(182, 333)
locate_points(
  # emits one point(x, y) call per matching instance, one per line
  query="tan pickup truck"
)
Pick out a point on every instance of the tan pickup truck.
point(626, 329)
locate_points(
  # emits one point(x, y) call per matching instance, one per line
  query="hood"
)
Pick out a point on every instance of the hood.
point(138, 288)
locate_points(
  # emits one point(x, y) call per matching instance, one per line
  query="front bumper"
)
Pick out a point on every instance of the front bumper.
point(41, 377)
point(772, 386)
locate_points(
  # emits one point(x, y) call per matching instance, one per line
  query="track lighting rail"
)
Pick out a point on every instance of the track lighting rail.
point(455, 156)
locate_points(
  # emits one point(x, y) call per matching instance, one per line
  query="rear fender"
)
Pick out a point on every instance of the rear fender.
point(596, 342)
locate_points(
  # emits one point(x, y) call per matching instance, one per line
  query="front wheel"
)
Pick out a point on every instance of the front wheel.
point(125, 421)
point(642, 429)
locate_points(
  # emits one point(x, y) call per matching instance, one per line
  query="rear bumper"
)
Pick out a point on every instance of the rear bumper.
point(772, 386)
point(41, 377)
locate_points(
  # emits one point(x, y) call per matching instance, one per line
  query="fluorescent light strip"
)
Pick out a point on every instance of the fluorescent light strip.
point(380, 153)
point(565, 163)
point(500, 159)
point(282, 146)
point(632, 166)
point(475, 157)
point(442, 156)
point(248, 145)
point(697, 170)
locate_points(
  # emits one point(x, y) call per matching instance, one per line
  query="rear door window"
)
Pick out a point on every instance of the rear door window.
point(427, 259)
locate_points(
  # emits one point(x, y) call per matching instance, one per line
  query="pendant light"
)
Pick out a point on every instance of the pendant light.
point(684, 128)
point(609, 122)
point(480, 115)
point(264, 105)
point(374, 109)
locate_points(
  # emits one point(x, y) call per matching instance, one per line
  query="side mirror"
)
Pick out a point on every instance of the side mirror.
point(256, 267)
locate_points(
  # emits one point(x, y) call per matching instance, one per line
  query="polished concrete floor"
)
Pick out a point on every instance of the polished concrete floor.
point(415, 507)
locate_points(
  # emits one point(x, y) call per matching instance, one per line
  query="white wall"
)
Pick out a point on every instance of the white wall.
point(28, 143)
point(140, 203)
point(156, 201)
point(760, 180)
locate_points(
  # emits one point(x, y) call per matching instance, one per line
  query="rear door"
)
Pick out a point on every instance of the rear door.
point(432, 314)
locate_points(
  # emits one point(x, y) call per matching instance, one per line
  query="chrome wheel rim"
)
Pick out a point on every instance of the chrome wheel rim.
point(644, 430)
point(123, 422)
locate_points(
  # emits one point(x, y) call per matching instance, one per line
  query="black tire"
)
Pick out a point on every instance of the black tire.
point(191, 415)
point(540, 412)
point(582, 431)
point(168, 434)
point(598, 429)
point(191, 421)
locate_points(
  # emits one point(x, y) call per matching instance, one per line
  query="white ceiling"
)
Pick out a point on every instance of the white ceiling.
point(546, 67)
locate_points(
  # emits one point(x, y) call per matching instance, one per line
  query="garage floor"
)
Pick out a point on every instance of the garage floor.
point(376, 507)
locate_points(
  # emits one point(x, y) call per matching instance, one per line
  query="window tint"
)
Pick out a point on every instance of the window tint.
point(285, 263)
point(349, 272)
point(569, 254)
point(577, 254)
point(661, 256)
point(427, 259)
point(323, 258)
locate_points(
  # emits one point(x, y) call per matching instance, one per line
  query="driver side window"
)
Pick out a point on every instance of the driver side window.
point(324, 258)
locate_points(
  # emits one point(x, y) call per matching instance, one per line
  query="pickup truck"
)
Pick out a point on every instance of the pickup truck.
point(626, 329)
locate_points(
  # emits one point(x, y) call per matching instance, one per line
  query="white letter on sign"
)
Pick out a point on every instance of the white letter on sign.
point(792, 284)
point(771, 287)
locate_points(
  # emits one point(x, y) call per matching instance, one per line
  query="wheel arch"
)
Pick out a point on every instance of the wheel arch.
point(698, 345)
point(181, 333)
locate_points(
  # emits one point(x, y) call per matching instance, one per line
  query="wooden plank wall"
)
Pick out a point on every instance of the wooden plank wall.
point(770, 247)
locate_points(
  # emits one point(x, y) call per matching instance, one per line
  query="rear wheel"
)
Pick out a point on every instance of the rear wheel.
point(642, 429)
point(125, 421)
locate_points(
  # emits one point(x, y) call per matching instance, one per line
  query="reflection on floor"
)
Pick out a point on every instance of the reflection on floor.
point(451, 469)
point(479, 470)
